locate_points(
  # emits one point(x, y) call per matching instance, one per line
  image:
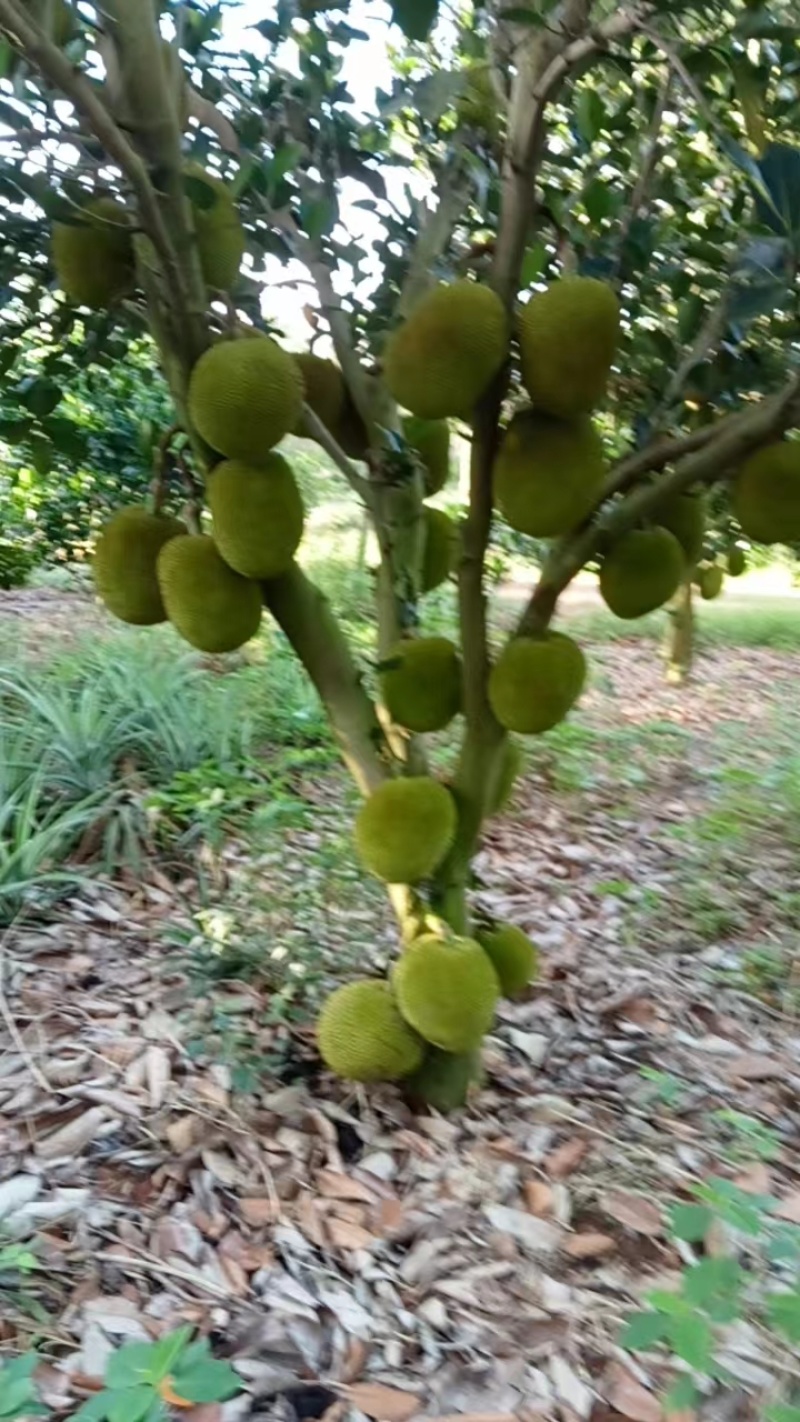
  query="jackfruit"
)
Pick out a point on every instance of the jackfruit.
point(453, 344)
point(422, 683)
point(258, 516)
point(736, 561)
point(478, 106)
point(405, 828)
point(217, 225)
point(207, 603)
point(514, 957)
point(568, 338)
point(535, 681)
point(443, 1080)
point(548, 473)
point(93, 257)
point(431, 441)
point(511, 764)
point(363, 1037)
point(244, 396)
point(641, 572)
point(710, 579)
point(350, 432)
point(766, 494)
point(125, 560)
point(447, 989)
point(440, 554)
point(684, 515)
point(326, 391)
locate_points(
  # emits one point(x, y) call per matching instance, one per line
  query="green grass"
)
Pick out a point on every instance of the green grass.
point(725, 623)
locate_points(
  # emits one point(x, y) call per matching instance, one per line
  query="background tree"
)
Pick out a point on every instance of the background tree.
point(648, 192)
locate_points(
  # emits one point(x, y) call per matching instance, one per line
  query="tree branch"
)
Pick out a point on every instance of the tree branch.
point(320, 432)
point(435, 232)
point(651, 153)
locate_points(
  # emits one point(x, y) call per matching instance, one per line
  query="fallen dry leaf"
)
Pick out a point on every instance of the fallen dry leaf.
point(538, 1197)
point(633, 1211)
point(383, 1404)
point(755, 1180)
point(589, 1245)
point(752, 1066)
point(344, 1235)
point(628, 1396)
point(536, 1235)
point(789, 1208)
point(256, 1210)
point(72, 1139)
point(340, 1187)
point(566, 1157)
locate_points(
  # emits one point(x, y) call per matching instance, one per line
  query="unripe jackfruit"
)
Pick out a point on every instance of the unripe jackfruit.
point(535, 681)
point(125, 561)
point(710, 579)
point(93, 256)
point(211, 607)
point(363, 1037)
point(326, 392)
point(422, 683)
point(244, 396)
point(218, 228)
point(405, 828)
point(684, 515)
point(440, 553)
point(478, 106)
point(567, 340)
point(766, 494)
point(258, 516)
point(447, 989)
point(431, 441)
point(350, 432)
point(443, 357)
point(548, 473)
point(513, 956)
point(443, 1080)
point(641, 572)
point(736, 561)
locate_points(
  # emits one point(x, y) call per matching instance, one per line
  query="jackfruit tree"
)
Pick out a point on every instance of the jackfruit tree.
point(530, 301)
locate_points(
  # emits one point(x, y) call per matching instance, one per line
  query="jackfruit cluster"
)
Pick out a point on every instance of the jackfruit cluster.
point(736, 561)
point(430, 440)
point(766, 494)
point(513, 956)
point(405, 828)
point(421, 683)
point(362, 1035)
point(440, 552)
point(210, 605)
point(444, 1079)
point(684, 515)
point(218, 229)
point(641, 572)
point(125, 564)
point(710, 578)
point(244, 396)
point(93, 255)
point(257, 514)
point(548, 473)
point(568, 338)
point(440, 361)
point(447, 989)
point(535, 681)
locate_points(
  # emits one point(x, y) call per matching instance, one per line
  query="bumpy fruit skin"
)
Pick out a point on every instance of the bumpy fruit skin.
point(440, 361)
point(736, 562)
point(93, 257)
point(441, 548)
point(568, 338)
point(535, 681)
point(447, 989)
point(514, 957)
point(684, 515)
point(257, 512)
point(444, 1079)
point(510, 767)
point(641, 572)
point(710, 581)
point(431, 441)
point(244, 396)
point(326, 392)
point(211, 607)
point(766, 494)
point(363, 1037)
point(218, 229)
point(405, 828)
point(422, 684)
point(125, 561)
point(548, 473)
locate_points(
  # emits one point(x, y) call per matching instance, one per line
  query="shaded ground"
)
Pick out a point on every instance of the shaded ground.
point(172, 1146)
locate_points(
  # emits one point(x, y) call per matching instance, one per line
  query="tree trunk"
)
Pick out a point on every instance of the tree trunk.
point(679, 648)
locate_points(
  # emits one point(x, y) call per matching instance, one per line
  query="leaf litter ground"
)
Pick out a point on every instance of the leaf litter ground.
point(354, 1260)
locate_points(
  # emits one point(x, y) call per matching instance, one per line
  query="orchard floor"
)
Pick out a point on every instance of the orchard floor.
point(354, 1260)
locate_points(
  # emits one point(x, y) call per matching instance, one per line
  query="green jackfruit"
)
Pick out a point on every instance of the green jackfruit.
point(710, 580)
point(363, 1037)
point(478, 106)
point(244, 396)
point(431, 441)
point(211, 607)
point(766, 494)
point(350, 432)
point(442, 544)
point(511, 764)
point(258, 516)
point(93, 257)
point(736, 561)
point(125, 560)
point(568, 338)
point(443, 1080)
point(535, 681)
point(548, 473)
point(218, 227)
point(684, 515)
point(405, 828)
point(447, 989)
point(326, 392)
point(453, 344)
point(514, 957)
point(641, 572)
point(422, 683)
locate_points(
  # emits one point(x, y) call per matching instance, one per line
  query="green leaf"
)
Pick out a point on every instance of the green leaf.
point(682, 1396)
point(599, 200)
point(750, 89)
point(712, 1279)
point(590, 114)
point(207, 1382)
point(167, 1351)
point(415, 17)
point(39, 395)
point(784, 1312)
point(690, 1222)
point(533, 263)
point(692, 1340)
point(782, 1412)
point(130, 1404)
point(131, 1365)
point(666, 1301)
point(94, 1410)
point(780, 173)
point(521, 15)
point(643, 1330)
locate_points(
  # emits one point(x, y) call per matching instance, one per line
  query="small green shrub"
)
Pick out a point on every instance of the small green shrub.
point(17, 561)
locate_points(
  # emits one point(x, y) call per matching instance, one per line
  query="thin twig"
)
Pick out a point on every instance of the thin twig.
point(323, 437)
point(13, 1031)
